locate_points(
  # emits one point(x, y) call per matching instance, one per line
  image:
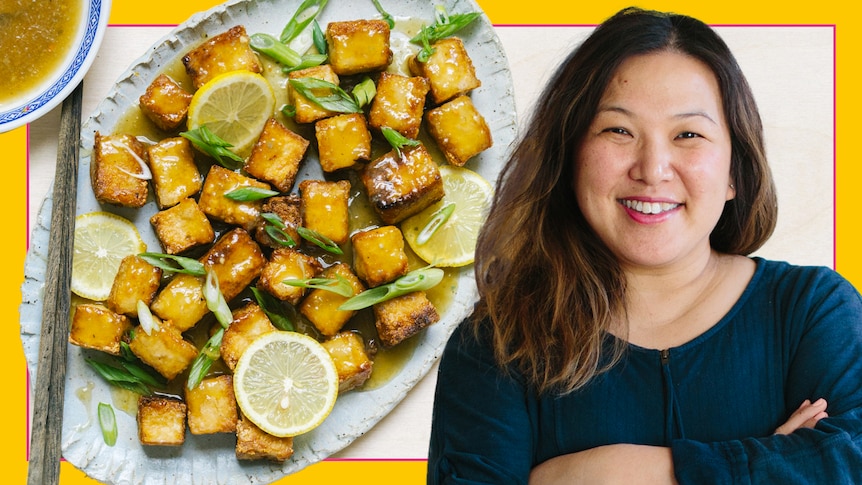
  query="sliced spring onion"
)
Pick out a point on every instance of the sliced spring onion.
point(364, 92)
point(337, 285)
point(307, 12)
point(337, 100)
point(146, 319)
point(388, 18)
point(438, 218)
point(445, 25)
point(215, 300)
point(120, 377)
point(108, 423)
point(279, 236)
point(174, 264)
point(249, 194)
point(202, 363)
point(308, 60)
point(319, 239)
point(214, 146)
point(319, 38)
point(273, 48)
point(417, 280)
point(397, 140)
point(273, 309)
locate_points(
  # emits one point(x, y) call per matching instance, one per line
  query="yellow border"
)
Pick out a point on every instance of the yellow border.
point(14, 187)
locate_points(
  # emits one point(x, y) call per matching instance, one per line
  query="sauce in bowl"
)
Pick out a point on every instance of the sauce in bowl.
point(35, 38)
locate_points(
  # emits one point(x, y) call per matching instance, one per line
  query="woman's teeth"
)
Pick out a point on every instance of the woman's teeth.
point(649, 207)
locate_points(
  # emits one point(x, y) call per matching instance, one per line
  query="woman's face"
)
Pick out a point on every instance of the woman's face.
point(653, 172)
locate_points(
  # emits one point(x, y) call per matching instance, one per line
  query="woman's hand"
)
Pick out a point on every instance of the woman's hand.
point(622, 464)
point(806, 416)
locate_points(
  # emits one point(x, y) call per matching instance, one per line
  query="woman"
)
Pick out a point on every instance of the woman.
point(622, 334)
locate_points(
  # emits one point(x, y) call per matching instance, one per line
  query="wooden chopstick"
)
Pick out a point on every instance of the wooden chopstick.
point(45, 453)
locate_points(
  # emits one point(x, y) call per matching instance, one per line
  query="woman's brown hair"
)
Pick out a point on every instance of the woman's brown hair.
point(549, 288)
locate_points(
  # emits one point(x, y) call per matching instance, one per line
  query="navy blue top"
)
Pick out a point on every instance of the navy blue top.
point(794, 334)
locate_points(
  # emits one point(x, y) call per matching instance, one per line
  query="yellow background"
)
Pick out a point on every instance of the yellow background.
point(13, 186)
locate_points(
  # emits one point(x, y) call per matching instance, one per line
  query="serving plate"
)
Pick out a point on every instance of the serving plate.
point(94, 21)
point(210, 458)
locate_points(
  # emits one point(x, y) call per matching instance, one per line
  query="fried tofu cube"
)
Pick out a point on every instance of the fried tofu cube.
point(351, 360)
point(459, 130)
point(399, 187)
point(403, 316)
point(175, 174)
point(378, 255)
point(213, 202)
point(252, 443)
point(136, 280)
point(358, 46)
point(164, 349)
point(181, 302)
point(287, 264)
point(399, 103)
point(342, 141)
point(249, 322)
point(288, 209)
point(449, 70)
point(276, 156)
point(182, 227)
point(308, 111)
point(115, 158)
point(236, 260)
point(320, 307)
point(165, 103)
point(325, 208)
point(161, 421)
point(212, 406)
point(96, 327)
point(225, 52)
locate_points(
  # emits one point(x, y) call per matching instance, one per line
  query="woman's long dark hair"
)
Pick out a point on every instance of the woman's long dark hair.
point(549, 288)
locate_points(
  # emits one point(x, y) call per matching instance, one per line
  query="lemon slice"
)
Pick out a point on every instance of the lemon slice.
point(102, 240)
point(454, 242)
point(285, 383)
point(235, 106)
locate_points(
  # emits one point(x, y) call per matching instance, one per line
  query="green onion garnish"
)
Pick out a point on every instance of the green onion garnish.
point(273, 309)
point(250, 194)
point(215, 300)
point(279, 52)
point(397, 140)
point(388, 18)
point(202, 363)
point(174, 264)
point(319, 38)
point(438, 218)
point(307, 12)
point(364, 92)
point(319, 239)
point(417, 280)
point(123, 377)
point(211, 144)
point(337, 285)
point(108, 423)
point(337, 100)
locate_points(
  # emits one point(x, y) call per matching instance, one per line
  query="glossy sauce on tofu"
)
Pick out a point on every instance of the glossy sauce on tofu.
point(35, 36)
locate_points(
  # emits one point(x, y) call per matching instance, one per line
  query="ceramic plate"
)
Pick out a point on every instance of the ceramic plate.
point(94, 21)
point(211, 459)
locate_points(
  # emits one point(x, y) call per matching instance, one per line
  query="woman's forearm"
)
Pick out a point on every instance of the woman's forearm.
point(611, 464)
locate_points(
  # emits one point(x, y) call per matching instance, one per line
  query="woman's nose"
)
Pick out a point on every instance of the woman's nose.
point(652, 163)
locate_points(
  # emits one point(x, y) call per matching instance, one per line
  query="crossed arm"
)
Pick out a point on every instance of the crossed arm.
point(641, 464)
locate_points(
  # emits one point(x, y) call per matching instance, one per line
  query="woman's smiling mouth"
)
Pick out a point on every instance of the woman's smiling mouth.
point(645, 207)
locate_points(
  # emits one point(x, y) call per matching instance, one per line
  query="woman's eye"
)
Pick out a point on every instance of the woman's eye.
point(688, 134)
point(616, 130)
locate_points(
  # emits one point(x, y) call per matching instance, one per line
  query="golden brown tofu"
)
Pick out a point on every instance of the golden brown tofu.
point(136, 280)
point(399, 187)
point(249, 322)
point(399, 103)
point(96, 327)
point(320, 307)
point(181, 302)
point(449, 70)
point(358, 46)
point(228, 51)
point(287, 264)
point(342, 141)
point(175, 174)
point(402, 317)
point(165, 103)
point(161, 421)
point(325, 208)
point(288, 209)
point(164, 349)
point(351, 360)
point(236, 260)
point(182, 227)
point(308, 111)
point(252, 443)
point(212, 406)
point(459, 130)
point(213, 202)
point(116, 159)
point(378, 255)
point(276, 156)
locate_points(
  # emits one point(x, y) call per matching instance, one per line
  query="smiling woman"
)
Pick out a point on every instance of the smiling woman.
point(34, 38)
